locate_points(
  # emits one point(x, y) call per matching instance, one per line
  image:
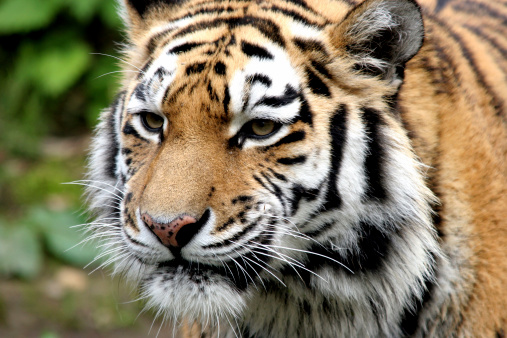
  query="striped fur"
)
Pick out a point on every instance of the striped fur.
point(377, 205)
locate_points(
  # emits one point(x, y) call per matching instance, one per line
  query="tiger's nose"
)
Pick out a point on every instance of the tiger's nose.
point(178, 232)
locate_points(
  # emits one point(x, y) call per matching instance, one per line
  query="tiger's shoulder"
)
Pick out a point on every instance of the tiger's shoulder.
point(453, 106)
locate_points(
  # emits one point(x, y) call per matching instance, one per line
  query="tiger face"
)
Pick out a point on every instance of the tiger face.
point(255, 150)
point(228, 154)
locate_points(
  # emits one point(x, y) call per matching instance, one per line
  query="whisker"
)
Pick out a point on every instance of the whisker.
point(267, 270)
point(117, 197)
point(245, 273)
point(312, 253)
point(294, 263)
point(122, 60)
point(117, 71)
point(87, 184)
point(232, 327)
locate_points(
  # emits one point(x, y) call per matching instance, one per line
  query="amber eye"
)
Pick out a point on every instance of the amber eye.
point(263, 127)
point(152, 122)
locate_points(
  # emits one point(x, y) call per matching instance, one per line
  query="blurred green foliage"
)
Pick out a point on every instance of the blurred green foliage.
point(51, 87)
point(48, 78)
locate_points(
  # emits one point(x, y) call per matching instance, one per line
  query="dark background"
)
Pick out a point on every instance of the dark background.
point(52, 88)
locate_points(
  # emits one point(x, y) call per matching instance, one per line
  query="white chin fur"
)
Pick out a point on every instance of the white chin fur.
point(176, 295)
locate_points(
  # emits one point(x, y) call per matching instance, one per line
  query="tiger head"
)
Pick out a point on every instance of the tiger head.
point(259, 143)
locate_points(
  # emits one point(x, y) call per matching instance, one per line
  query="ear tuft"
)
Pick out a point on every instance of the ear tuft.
point(140, 7)
point(381, 36)
point(135, 13)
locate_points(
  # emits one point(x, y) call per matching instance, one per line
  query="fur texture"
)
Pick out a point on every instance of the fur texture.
point(375, 206)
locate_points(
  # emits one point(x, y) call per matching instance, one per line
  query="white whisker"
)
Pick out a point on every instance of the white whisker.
point(312, 253)
point(120, 59)
point(118, 71)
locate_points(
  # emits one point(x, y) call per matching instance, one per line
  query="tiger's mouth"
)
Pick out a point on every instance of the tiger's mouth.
point(238, 272)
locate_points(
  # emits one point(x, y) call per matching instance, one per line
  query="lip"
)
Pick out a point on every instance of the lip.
point(237, 273)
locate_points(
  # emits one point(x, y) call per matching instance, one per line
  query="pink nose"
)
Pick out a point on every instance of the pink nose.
point(172, 234)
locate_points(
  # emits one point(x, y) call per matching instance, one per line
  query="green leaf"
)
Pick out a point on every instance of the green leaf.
point(54, 64)
point(20, 251)
point(60, 238)
point(18, 16)
point(59, 67)
point(83, 10)
point(108, 12)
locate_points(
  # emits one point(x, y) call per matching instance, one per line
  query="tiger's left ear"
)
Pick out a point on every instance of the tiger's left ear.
point(381, 36)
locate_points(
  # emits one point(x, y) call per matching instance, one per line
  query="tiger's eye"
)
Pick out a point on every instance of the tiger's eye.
point(263, 127)
point(152, 122)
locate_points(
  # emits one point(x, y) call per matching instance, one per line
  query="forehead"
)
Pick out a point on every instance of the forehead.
point(240, 65)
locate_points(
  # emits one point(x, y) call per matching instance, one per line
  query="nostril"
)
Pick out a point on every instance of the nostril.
point(179, 231)
point(187, 232)
point(175, 227)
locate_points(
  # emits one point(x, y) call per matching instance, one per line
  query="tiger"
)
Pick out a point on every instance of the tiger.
point(309, 168)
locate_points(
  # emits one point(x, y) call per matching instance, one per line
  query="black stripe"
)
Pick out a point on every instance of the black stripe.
point(145, 68)
point(315, 83)
point(374, 160)
point(183, 48)
point(293, 15)
point(278, 175)
point(235, 237)
point(298, 193)
point(440, 5)
point(128, 129)
point(321, 69)
point(227, 99)
point(300, 3)
point(268, 28)
point(113, 145)
point(338, 133)
point(260, 78)
point(173, 97)
point(213, 10)
point(296, 136)
point(257, 178)
point(276, 190)
point(161, 72)
point(373, 250)
point(410, 318)
point(374, 246)
point(242, 199)
point(310, 46)
point(255, 51)
point(220, 68)
point(305, 113)
point(480, 8)
point(195, 68)
point(289, 95)
point(324, 227)
point(493, 42)
point(496, 101)
point(154, 40)
point(292, 160)
point(441, 79)
point(212, 93)
point(139, 92)
point(143, 6)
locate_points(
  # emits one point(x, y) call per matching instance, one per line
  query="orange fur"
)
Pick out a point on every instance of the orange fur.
point(453, 106)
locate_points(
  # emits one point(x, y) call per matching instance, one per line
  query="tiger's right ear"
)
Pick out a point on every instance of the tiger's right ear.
point(380, 36)
point(135, 13)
